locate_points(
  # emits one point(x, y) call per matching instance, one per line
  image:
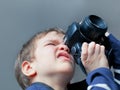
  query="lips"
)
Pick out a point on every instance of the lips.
point(64, 55)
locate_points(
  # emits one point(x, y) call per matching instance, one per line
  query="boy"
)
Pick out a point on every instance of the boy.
point(44, 63)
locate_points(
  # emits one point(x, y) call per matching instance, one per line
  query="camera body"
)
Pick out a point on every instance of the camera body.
point(92, 28)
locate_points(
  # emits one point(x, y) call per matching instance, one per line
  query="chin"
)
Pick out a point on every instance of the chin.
point(67, 72)
point(67, 69)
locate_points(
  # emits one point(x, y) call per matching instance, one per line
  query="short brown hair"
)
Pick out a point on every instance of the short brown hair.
point(27, 53)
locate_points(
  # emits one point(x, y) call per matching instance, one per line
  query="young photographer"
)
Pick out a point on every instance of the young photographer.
point(44, 63)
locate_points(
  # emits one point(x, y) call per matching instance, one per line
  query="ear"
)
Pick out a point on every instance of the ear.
point(28, 69)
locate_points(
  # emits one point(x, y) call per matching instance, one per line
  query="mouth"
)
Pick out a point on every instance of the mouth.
point(64, 55)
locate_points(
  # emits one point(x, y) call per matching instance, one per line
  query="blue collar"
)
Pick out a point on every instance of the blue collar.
point(39, 86)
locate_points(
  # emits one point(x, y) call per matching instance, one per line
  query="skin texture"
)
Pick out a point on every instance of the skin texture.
point(53, 64)
point(93, 56)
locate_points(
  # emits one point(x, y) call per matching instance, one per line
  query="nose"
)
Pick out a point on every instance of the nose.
point(64, 47)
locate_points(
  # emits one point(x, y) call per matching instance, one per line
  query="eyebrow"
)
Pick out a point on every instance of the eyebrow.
point(52, 40)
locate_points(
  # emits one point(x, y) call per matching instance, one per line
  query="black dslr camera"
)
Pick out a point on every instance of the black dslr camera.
point(92, 28)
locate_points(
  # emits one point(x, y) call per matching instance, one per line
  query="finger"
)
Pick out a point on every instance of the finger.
point(91, 48)
point(97, 49)
point(102, 49)
point(84, 52)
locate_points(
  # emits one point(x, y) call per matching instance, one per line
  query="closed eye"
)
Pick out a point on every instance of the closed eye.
point(51, 44)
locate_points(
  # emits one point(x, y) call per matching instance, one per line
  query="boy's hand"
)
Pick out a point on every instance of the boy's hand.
point(93, 56)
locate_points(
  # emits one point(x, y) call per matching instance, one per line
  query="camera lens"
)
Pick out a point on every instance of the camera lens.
point(93, 27)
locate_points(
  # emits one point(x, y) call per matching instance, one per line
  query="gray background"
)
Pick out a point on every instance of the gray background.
point(20, 19)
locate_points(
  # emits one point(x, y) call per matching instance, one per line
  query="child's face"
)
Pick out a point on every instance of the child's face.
point(52, 57)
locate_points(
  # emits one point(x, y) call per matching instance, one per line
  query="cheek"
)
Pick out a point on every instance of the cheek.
point(45, 52)
point(49, 54)
point(46, 55)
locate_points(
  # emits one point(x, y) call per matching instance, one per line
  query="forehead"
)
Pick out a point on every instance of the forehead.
point(52, 36)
